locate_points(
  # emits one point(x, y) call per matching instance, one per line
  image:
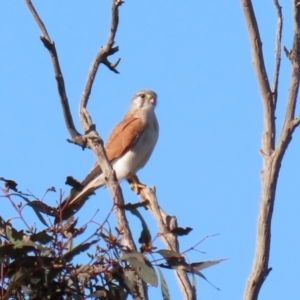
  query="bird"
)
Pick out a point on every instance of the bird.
point(128, 148)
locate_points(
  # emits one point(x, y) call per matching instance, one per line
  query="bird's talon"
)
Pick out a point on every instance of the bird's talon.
point(137, 187)
point(135, 184)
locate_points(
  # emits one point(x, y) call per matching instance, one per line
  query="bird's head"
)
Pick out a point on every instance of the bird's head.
point(143, 99)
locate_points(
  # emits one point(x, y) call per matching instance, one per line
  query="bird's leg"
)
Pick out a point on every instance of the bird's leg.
point(135, 184)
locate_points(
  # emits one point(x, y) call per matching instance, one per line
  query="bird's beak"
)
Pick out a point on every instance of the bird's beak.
point(152, 101)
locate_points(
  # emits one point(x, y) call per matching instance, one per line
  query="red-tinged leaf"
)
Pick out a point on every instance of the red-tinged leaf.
point(130, 206)
point(181, 231)
point(145, 237)
point(77, 250)
point(51, 189)
point(10, 184)
point(73, 183)
point(41, 237)
point(42, 207)
point(38, 206)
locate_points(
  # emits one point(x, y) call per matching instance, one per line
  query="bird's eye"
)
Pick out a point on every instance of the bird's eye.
point(143, 96)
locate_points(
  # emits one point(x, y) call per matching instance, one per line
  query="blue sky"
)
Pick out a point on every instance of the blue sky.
point(206, 166)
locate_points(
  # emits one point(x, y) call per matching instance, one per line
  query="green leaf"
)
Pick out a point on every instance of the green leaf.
point(15, 280)
point(163, 285)
point(77, 250)
point(35, 280)
point(168, 253)
point(41, 237)
point(206, 264)
point(130, 280)
point(13, 235)
point(142, 266)
point(38, 206)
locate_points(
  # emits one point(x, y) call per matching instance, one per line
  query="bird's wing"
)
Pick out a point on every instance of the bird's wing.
point(123, 136)
point(120, 140)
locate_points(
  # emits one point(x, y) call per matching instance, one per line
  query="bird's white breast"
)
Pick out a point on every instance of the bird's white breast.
point(138, 155)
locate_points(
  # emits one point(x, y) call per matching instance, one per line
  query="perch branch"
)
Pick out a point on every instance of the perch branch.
point(95, 142)
point(165, 224)
point(92, 139)
point(57, 71)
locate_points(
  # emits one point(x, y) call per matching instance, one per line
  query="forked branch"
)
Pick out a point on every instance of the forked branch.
point(101, 57)
point(92, 138)
point(272, 156)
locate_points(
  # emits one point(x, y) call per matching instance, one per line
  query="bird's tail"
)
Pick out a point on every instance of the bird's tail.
point(80, 193)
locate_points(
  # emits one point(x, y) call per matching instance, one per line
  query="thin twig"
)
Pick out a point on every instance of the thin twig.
point(295, 60)
point(38, 19)
point(101, 57)
point(262, 77)
point(57, 71)
point(277, 52)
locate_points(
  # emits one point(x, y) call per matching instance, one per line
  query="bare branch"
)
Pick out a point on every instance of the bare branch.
point(101, 57)
point(93, 139)
point(272, 157)
point(296, 122)
point(295, 61)
point(38, 20)
point(95, 143)
point(165, 224)
point(57, 71)
point(262, 77)
point(277, 52)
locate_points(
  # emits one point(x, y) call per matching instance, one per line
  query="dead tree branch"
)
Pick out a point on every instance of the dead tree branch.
point(92, 138)
point(165, 224)
point(101, 57)
point(57, 71)
point(277, 52)
point(272, 156)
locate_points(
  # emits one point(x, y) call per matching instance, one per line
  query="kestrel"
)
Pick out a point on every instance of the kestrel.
point(128, 148)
